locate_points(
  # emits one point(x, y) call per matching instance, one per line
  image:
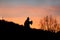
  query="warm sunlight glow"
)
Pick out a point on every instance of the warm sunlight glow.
point(19, 14)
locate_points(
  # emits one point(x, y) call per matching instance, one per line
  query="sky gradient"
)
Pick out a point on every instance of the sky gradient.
point(18, 10)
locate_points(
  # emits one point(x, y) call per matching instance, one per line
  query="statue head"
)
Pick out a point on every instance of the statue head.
point(27, 18)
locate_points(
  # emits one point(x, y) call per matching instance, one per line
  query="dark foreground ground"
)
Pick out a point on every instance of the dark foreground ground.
point(10, 27)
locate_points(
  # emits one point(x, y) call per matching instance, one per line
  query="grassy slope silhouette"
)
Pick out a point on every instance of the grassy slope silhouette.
point(6, 26)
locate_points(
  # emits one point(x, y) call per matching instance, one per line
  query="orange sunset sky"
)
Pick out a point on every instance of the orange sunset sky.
point(18, 11)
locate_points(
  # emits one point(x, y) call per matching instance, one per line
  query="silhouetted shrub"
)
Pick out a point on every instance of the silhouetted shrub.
point(50, 24)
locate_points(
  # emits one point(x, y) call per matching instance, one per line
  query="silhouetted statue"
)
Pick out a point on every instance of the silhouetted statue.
point(27, 23)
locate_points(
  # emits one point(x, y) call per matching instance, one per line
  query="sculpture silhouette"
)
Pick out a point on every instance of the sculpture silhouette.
point(27, 23)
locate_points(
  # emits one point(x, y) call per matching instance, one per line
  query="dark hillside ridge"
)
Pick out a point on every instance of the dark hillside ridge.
point(11, 27)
